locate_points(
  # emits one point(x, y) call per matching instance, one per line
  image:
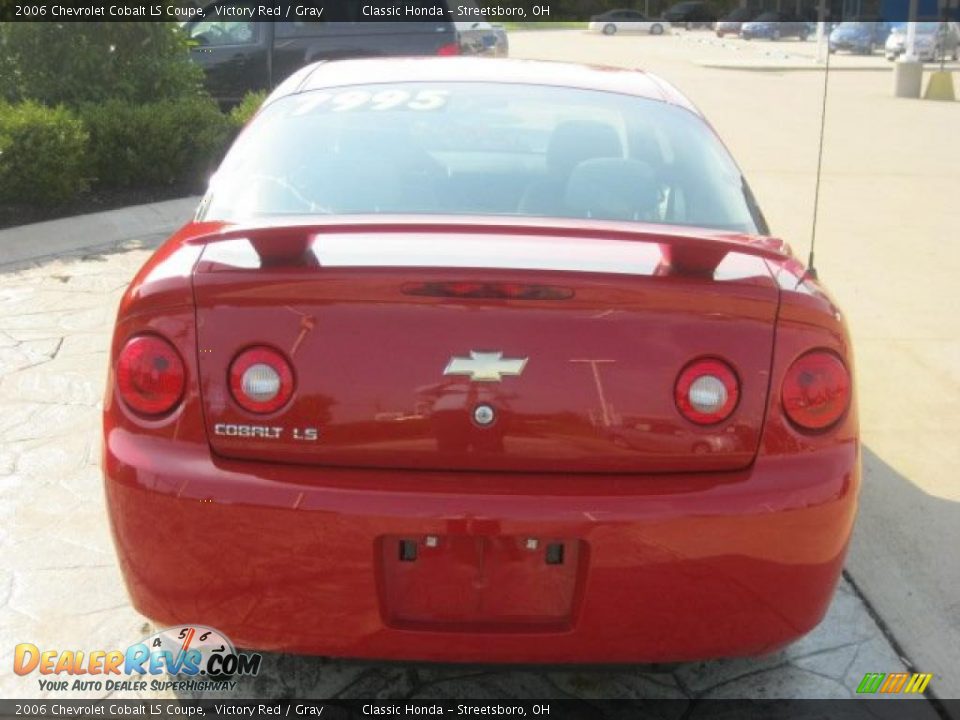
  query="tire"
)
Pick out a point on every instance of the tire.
point(609, 29)
point(719, 34)
point(656, 29)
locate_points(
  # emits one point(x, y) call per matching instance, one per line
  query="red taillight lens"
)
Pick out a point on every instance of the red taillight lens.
point(707, 391)
point(261, 380)
point(816, 390)
point(150, 375)
point(449, 49)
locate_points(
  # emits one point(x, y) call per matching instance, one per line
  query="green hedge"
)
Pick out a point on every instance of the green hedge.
point(72, 63)
point(51, 155)
point(43, 154)
point(242, 113)
point(162, 143)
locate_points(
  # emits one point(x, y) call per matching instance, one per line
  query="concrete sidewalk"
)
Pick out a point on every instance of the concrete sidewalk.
point(55, 237)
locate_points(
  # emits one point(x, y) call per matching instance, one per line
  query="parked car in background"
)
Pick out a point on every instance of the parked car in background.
point(481, 38)
point(733, 21)
point(859, 37)
point(243, 56)
point(691, 14)
point(776, 25)
point(934, 40)
point(503, 43)
point(617, 21)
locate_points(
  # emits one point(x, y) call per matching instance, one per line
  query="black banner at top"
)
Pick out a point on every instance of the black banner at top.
point(700, 13)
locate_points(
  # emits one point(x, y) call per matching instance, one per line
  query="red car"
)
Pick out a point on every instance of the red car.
point(486, 361)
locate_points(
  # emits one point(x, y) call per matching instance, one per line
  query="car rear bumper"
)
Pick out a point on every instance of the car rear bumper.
point(657, 568)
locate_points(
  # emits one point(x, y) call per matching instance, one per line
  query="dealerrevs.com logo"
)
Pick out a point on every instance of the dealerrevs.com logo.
point(204, 655)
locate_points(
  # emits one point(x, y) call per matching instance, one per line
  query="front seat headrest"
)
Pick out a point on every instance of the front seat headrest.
point(613, 189)
point(574, 141)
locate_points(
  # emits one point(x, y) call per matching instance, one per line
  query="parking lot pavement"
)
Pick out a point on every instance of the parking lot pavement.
point(60, 586)
point(732, 52)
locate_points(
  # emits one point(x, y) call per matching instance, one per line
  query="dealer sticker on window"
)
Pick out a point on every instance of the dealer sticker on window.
point(393, 99)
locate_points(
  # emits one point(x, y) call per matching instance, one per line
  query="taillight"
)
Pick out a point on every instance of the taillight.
point(150, 375)
point(707, 391)
point(449, 49)
point(261, 380)
point(816, 390)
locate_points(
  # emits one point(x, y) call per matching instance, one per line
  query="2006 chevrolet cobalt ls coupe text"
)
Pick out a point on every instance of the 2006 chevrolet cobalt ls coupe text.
point(506, 369)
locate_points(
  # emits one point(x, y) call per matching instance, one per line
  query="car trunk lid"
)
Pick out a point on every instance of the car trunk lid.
point(572, 341)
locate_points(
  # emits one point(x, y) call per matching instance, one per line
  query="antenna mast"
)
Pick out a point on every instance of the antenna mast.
point(811, 270)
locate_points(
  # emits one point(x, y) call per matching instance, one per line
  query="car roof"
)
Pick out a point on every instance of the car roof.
point(368, 71)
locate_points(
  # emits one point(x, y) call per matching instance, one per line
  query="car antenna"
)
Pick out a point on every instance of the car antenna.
point(811, 271)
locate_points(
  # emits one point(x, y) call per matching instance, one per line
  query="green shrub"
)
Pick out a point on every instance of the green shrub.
point(160, 143)
point(77, 62)
point(241, 114)
point(42, 154)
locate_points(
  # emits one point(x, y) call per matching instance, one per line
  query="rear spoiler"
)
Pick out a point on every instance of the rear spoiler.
point(288, 241)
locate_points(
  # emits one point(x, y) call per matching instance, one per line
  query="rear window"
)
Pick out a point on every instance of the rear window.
point(480, 149)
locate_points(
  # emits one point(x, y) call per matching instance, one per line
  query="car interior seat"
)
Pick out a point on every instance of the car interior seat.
point(383, 171)
point(613, 189)
point(571, 143)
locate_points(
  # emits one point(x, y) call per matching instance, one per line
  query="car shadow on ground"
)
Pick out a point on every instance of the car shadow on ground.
point(910, 579)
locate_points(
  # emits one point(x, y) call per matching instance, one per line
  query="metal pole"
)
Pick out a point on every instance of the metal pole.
point(910, 51)
point(822, 31)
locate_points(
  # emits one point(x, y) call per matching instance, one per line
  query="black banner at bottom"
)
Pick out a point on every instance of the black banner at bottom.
point(872, 709)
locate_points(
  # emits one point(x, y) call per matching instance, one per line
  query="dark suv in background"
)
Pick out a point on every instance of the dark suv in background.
point(776, 25)
point(240, 56)
point(691, 14)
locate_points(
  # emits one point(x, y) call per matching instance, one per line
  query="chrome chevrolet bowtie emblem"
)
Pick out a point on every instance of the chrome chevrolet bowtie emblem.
point(485, 366)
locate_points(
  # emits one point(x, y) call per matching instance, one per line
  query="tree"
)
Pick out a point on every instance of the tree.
point(79, 62)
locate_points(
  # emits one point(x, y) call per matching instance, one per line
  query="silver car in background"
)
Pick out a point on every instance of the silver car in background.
point(935, 40)
point(626, 21)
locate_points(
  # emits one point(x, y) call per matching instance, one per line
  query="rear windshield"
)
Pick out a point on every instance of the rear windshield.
point(480, 149)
